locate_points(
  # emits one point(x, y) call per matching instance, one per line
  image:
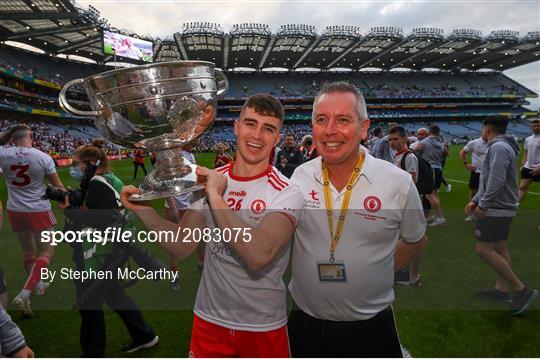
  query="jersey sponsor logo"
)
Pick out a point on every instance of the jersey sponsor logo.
point(372, 204)
point(314, 195)
point(241, 193)
point(258, 206)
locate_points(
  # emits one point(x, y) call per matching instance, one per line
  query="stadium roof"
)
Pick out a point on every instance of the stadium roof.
point(60, 27)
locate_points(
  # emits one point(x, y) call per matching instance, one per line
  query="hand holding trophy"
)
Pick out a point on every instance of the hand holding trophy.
point(160, 107)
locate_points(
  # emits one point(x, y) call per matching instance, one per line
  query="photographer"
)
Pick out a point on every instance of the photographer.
point(101, 209)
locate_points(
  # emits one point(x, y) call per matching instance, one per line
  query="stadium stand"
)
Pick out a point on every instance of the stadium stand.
point(414, 79)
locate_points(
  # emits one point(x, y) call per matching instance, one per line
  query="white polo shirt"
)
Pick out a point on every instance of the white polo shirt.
point(477, 148)
point(384, 206)
point(532, 145)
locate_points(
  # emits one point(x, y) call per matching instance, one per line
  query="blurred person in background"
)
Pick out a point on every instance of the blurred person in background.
point(477, 148)
point(138, 161)
point(25, 170)
point(530, 166)
point(289, 157)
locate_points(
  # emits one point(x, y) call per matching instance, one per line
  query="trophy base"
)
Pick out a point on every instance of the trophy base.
point(149, 196)
point(172, 175)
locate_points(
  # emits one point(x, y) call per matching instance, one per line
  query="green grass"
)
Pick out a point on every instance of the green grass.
point(442, 318)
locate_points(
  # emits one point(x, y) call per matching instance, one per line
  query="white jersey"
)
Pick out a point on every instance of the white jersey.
point(380, 212)
point(25, 170)
point(478, 149)
point(411, 164)
point(229, 295)
point(532, 145)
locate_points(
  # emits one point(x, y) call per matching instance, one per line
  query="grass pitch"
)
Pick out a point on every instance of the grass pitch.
point(441, 318)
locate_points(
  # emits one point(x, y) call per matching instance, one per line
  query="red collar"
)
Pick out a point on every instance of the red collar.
point(251, 178)
point(402, 152)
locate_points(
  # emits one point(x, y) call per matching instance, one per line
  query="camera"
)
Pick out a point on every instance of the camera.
point(143, 257)
point(75, 196)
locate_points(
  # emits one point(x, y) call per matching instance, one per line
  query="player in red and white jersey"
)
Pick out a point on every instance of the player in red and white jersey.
point(240, 310)
point(222, 158)
point(25, 170)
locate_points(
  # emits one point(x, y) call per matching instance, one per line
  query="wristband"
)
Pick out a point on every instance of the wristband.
point(465, 162)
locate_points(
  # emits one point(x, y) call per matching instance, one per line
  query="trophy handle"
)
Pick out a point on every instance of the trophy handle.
point(66, 106)
point(221, 81)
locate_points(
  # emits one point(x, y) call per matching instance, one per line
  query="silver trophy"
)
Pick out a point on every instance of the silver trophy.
point(159, 107)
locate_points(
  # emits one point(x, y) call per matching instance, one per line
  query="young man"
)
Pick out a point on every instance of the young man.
point(477, 148)
point(530, 167)
point(432, 149)
point(240, 308)
point(347, 245)
point(289, 157)
point(398, 142)
point(495, 205)
point(25, 170)
point(383, 150)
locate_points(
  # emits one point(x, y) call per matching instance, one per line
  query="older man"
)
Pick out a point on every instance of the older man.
point(347, 244)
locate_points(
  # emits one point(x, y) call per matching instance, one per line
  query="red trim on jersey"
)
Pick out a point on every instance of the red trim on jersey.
point(274, 177)
point(279, 180)
point(224, 169)
point(209, 340)
point(252, 178)
point(275, 185)
point(289, 216)
point(402, 152)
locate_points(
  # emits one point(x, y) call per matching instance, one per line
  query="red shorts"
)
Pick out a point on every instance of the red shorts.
point(209, 340)
point(31, 221)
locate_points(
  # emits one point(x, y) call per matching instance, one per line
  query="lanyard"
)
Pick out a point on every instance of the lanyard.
point(334, 237)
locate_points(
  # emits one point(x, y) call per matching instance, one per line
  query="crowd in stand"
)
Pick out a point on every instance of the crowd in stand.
point(57, 144)
point(382, 90)
point(22, 70)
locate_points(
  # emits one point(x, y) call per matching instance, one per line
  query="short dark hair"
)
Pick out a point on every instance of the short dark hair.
point(289, 134)
point(399, 130)
point(535, 120)
point(496, 124)
point(377, 131)
point(266, 105)
point(13, 133)
point(435, 130)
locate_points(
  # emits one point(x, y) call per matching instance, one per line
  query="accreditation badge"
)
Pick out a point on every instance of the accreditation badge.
point(332, 272)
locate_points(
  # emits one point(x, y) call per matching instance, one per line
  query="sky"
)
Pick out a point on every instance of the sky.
point(161, 18)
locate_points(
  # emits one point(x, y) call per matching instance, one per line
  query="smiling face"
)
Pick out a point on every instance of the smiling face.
point(289, 141)
point(256, 135)
point(337, 128)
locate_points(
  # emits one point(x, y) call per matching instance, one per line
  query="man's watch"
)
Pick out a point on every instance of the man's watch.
point(465, 162)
